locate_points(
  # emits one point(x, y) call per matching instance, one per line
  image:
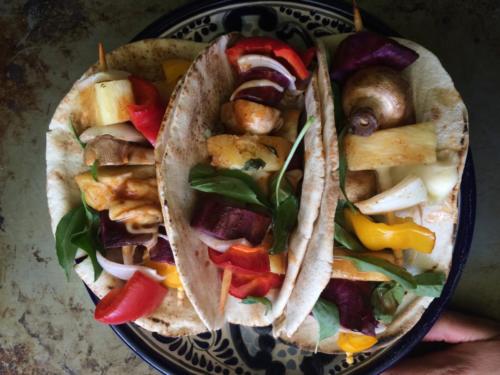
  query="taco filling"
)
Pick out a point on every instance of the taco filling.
point(119, 223)
point(250, 189)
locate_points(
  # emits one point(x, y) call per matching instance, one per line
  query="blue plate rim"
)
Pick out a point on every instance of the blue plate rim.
point(464, 231)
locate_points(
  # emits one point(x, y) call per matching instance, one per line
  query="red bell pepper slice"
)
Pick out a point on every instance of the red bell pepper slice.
point(244, 283)
point(268, 46)
point(139, 297)
point(309, 55)
point(240, 257)
point(147, 113)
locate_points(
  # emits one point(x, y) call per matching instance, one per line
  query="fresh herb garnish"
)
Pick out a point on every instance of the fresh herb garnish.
point(250, 300)
point(385, 300)
point(284, 219)
point(366, 263)
point(343, 167)
point(93, 171)
point(76, 136)
point(78, 229)
point(430, 284)
point(227, 182)
point(326, 314)
point(342, 236)
point(254, 164)
point(305, 128)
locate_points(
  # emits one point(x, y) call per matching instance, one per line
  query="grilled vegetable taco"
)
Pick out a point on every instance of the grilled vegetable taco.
point(403, 140)
point(241, 166)
point(102, 186)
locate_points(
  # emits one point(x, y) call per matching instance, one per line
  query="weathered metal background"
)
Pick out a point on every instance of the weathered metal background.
point(46, 323)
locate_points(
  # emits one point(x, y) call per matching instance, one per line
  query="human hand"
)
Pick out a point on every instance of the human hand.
point(475, 350)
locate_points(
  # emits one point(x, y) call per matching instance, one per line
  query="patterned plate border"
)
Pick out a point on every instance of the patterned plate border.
point(164, 25)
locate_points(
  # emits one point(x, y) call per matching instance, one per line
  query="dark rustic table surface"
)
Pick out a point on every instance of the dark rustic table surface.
point(46, 323)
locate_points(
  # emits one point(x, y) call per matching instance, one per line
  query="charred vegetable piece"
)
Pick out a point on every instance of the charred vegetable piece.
point(115, 234)
point(162, 252)
point(406, 145)
point(233, 152)
point(364, 49)
point(106, 150)
point(243, 116)
point(228, 222)
point(376, 97)
point(112, 99)
point(123, 131)
point(353, 301)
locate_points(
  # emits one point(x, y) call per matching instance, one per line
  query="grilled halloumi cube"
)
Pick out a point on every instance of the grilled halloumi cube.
point(112, 99)
point(345, 269)
point(267, 153)
point(278, 263)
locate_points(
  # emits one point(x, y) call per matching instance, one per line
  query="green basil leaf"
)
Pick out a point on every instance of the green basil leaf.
point(284, 220)
point(72, 222)
point(343, 167)
point(229, 187)
point(295, 145)
point(326, 314)
point(385, 300)
point(227, 182)
point(76, 136)
point(430, 284)
point(250, 300)
point(86, 240)
point(255, 164)
point(347, 240)
point(93, 171)
point(371, 264)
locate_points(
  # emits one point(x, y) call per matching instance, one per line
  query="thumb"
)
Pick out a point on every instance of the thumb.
point(453, 327)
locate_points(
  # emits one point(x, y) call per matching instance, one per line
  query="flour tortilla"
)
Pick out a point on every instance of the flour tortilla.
point(187, 125)
point(65, 160)
point(435, 99)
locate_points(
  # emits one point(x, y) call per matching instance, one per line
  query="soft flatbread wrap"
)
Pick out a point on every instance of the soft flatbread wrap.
point(226, 244)
point(347, 301)
point(95, 154)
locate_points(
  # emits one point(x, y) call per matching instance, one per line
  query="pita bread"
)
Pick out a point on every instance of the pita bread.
point(65, 160)
point(435, 99)
point(207, 85)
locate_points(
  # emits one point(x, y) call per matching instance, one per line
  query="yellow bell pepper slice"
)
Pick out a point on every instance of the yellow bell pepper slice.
point(174, 69)
point(354, 343)
point(379, 236)
point(172, 279)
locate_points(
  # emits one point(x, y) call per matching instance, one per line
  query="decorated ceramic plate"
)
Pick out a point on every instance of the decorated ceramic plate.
point(243, 350)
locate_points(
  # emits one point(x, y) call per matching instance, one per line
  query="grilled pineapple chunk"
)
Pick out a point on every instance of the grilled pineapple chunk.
point(244, 152)
point(406, 145)
point(112, 99)
point(345, 269)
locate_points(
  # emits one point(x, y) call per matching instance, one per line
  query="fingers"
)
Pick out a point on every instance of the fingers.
point(464, 359)
point(454, 328)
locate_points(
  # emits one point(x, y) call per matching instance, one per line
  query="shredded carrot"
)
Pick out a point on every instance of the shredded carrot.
point(103, 65)
point(226, 284)
point(358, 22)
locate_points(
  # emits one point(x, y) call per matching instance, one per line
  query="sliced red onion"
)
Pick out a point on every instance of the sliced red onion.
point(263, 73)
point(125, 271)
point(220, 245)
point(247, 62)
point(256, 83)
point(264, 95)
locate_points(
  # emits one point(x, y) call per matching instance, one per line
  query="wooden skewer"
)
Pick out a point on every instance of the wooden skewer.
point(226, 284)
point(358, 21)
point(103, 65)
